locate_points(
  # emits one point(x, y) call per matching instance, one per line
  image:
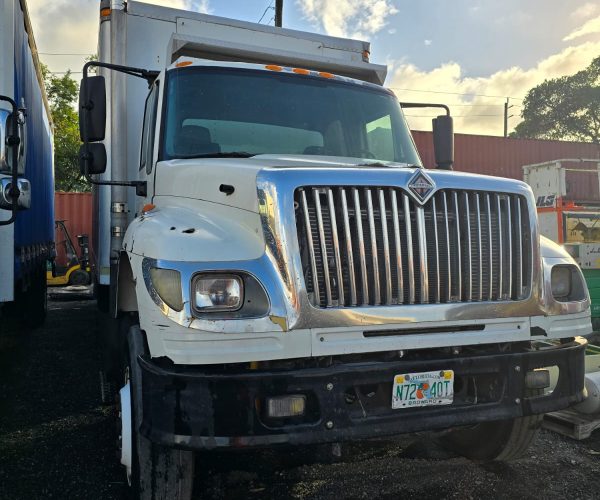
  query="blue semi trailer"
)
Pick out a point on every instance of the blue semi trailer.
point(26, 169)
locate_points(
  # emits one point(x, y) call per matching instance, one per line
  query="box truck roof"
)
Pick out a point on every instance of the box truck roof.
point(219, 38)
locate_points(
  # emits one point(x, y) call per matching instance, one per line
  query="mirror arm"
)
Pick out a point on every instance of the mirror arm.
point(149, 76)
point(13, 141)
point(425, 105)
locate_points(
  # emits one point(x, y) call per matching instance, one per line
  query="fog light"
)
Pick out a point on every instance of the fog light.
point(286, 406)
point(537, 379)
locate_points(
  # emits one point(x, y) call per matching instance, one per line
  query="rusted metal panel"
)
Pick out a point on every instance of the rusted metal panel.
point(505, 157)
point(76, 210)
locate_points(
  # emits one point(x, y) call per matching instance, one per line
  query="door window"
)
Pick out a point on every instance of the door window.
point(147, 148)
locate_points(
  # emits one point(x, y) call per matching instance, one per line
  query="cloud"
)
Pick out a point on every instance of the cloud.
point(588, 28)
point(348, 18)
point(427, 42)
point(64, 26)
point(585, 11)
point(477, 114)
point(202, 6)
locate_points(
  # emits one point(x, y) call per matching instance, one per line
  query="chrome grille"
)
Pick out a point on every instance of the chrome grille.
point(376, 246)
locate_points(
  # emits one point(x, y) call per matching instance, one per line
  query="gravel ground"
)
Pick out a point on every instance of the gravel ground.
point(58, 441)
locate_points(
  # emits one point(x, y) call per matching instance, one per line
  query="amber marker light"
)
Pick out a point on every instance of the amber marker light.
point(105, 12)
point(324, 74)
point(274, 67)
point(148, 207)
point(183, 63)
point(300, 71)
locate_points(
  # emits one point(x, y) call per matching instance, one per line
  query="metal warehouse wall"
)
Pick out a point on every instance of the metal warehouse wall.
point(76, 210)
point(505, 157)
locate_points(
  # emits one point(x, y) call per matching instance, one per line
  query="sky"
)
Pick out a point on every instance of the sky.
point(471, 55)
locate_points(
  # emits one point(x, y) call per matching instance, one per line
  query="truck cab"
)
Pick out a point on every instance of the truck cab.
point(294, 276)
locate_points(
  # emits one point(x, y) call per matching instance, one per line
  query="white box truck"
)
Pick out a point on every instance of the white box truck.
point(26, 169)
point(286, 272)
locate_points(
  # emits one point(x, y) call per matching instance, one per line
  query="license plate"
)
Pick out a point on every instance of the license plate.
point(423, 389)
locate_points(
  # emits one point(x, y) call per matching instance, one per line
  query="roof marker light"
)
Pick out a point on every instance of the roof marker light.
point(183, 63)
point(324, 74)
point(274, 67)
point(301, 71)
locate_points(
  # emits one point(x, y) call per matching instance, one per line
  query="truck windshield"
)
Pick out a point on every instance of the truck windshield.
point(212, 112)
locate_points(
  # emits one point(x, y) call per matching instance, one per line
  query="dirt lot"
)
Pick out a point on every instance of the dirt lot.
point(57, 441)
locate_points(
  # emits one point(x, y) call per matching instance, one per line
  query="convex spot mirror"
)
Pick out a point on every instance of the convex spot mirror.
point(92, 109)
point(24, 200)
point(443, 141)
point(95, 156)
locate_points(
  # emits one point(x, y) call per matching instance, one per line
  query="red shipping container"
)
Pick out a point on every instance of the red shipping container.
point(505, 157)
point(76, 210)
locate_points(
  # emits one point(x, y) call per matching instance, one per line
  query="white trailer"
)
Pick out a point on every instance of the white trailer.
point(286, 272)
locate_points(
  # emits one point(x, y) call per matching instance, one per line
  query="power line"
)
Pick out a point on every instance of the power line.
point(458, 93)
point(270, 6)
point(62, 54)
point(478, 105)
point(453, 116)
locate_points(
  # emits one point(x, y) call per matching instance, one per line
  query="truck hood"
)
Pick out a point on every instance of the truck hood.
point(211, 179)
point(202, 179)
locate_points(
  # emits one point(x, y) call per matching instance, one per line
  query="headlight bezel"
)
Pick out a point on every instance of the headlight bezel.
point(256, 302)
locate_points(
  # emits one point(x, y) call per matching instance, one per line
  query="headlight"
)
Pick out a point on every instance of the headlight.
point(568, 284)
point(561, 281)
point(217, 292)
point(167, 284)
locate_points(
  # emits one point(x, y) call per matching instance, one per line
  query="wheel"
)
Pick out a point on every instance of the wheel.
point(79, 278)
point(501, 441)
point(154, 472)
point(33, 303)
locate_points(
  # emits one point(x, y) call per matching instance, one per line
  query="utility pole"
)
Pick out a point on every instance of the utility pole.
point(278, 13)
point(506, 117)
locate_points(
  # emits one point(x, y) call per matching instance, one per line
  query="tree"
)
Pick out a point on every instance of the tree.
point(62, 96)
point(566, 108)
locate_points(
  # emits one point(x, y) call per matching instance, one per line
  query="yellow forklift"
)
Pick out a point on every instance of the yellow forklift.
point(68, 267)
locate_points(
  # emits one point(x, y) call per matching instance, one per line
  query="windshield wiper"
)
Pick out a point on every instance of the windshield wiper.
point(229, 154)
point(372, 164)
point(387, 165)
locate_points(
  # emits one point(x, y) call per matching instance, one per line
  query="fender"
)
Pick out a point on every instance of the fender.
point(551, 250)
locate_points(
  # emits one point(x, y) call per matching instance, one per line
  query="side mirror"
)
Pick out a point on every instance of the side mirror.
point(92, 109)
point(94, 161)
point(24, 200)
point(8, 142)
point(443, 141)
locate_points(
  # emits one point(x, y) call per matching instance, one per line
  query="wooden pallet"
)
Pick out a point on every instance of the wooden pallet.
point(571, 423)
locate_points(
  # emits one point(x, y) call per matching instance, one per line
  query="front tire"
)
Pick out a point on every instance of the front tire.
point(157, 472)
point(500, 441)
